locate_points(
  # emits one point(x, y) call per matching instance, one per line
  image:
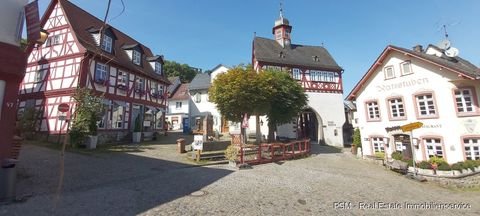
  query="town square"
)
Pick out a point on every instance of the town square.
point(123, 107)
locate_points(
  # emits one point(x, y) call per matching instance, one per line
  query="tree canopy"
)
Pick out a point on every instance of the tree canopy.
point(236, 93)
point(271, 93)
point(184, 71)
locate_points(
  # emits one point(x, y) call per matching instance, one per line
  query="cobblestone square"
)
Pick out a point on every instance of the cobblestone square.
point(153, 181)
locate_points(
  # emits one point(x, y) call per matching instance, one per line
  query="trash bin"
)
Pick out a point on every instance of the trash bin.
point(181, 145)
point(8, 174)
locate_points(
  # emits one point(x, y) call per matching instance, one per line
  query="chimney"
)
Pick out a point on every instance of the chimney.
point(418, 48)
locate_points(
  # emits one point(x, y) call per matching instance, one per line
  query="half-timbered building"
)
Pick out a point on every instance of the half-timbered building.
point(317, 72)
point(83, 51)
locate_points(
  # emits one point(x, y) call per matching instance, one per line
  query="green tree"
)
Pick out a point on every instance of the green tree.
point(357, 138)
point(273, 93)
point(237, 92)
point(89, 107)
point(184, 71)
point(285, 97)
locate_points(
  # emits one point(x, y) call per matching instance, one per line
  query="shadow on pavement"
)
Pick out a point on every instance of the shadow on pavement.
point(324, 149)
point(103, 184)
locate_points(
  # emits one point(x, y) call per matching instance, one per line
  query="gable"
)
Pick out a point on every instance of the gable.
point(428, 65)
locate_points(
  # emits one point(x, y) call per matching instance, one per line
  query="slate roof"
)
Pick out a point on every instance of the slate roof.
point(454, 64)
point(457, 63)
point(181, 92)
point(268, 50)
point(82, 23)
point(200, 82)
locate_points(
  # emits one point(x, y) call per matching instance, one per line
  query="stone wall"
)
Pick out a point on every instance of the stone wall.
point(469, 181)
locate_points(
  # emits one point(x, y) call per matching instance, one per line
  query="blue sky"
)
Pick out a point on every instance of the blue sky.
point(206, 33)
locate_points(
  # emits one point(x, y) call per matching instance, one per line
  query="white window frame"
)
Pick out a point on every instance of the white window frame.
point(107, 43)
point(122, 78)
point(464, 100)
point(101, 71)
point(198, 97)
point(404, 65)
point(471, 146)
point(40, 74)
point(178, 105)
point(426, 103)
point(386, 71)
point(53, 40)
point(140, 84)
point(158, 68)
point(432, 147)
point(136, 57)
point(296, 74)
point(377, 144)
point(397, 107)
point(373, 111)
point(118, 115)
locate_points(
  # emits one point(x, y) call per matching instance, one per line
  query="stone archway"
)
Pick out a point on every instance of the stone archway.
point(310, 125)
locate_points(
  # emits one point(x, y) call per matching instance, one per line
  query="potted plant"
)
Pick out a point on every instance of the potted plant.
point(231, 154)
point(137, 130)
point(357, 141)
point(84, 124)
point(91, 142)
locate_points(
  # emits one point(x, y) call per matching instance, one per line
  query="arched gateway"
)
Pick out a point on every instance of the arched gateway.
point(319, 75)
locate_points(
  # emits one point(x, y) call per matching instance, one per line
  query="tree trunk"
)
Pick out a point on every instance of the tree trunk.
point(257, 129)
point(271, 131)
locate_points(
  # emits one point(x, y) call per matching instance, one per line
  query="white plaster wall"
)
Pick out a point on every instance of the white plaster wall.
point(172, 107)
point(426, 77)
point(204, 106)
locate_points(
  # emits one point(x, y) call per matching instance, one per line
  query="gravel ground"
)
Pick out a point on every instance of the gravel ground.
point(155, 181)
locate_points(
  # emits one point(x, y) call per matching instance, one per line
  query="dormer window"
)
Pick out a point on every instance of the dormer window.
point(136, 57)
point(107, 43)
point(158, 68)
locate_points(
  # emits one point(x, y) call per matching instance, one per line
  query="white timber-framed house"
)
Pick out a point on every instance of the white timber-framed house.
point(82, 51)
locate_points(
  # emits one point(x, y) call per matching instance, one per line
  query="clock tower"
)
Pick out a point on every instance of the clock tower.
point(281, 31)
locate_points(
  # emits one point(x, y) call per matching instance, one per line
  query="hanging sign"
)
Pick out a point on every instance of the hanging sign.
point(411, 126)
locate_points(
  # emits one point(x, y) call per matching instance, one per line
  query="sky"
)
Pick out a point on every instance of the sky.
point(206, 33)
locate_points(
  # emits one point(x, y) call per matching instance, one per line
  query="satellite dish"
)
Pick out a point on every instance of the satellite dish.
point(444, 44)
point(451, 52)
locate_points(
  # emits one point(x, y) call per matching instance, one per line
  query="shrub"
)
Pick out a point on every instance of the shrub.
point(357, 139)
point(457, 166)
point(408, 161)
point(397, 155)
point(424, 165)
point(231, 153)
point(469, 164)
point(436, 160)
point(444, 166)
point(380, 155)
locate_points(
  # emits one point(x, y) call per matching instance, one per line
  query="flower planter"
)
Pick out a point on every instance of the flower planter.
point(232, 164)
point(466, 171)
point(445, 173)
point(411, 169)
point(457, 172)
point(137, 137)
point(425, 171)
point(91, 142)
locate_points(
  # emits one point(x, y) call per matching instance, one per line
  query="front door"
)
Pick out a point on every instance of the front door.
point(402, 144)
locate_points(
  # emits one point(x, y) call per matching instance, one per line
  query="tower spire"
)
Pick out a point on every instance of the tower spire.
point(281, 10)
